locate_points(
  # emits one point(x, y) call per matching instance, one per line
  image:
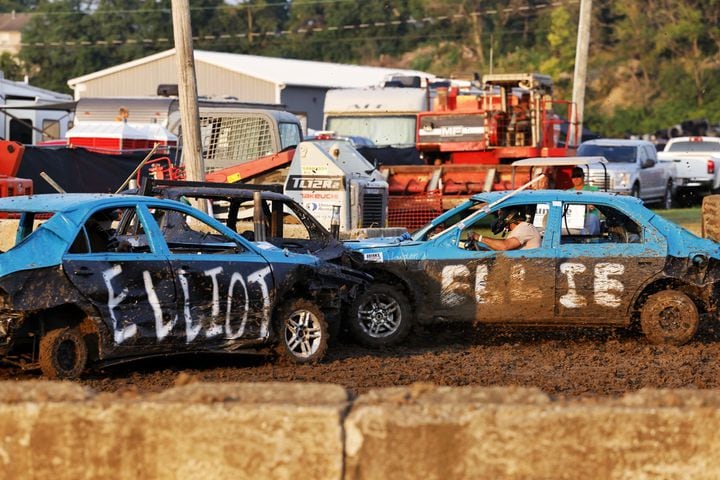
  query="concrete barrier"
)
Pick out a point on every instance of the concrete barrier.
point(221, 431)
point(520, 434)
point(216, 431)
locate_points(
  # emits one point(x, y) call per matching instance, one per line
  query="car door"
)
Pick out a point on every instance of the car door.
point(597, 277)
point(652, 177)
point(224, 288)
point(133, 289)
point(490, 286)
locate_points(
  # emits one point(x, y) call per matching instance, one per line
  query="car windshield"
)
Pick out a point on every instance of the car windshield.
point(613, 153)
point(694, 147)
point(448, 219)
point(394, 130)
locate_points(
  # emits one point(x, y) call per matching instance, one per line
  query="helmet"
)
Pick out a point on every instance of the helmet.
point(506, 217)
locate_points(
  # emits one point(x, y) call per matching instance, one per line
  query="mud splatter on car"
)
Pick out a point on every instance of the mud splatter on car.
point(93, 279)
point(603, 260)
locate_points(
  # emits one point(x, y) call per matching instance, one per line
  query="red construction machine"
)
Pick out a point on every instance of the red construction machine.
point(471, 137)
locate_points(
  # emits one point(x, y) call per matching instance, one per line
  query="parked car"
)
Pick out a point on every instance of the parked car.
point(633, 169)
point(76, 290)
point(639, 269)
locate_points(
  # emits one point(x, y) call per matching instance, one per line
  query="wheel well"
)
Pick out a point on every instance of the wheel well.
point(68, 315)
point(667, 284)
point(383, 276)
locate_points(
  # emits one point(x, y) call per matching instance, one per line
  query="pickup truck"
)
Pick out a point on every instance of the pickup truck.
point(633, 169)
point(696, 161)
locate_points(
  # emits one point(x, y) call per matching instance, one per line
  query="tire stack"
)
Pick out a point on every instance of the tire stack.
point(711, 217)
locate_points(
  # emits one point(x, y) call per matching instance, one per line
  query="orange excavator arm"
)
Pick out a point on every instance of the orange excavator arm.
point(248, 170)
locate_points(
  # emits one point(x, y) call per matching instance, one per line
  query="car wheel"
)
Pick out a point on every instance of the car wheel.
point(63, 353)
point(380, 316)
point(635, 191)
point(668, 201)
point(303, 332)
point(669, 317)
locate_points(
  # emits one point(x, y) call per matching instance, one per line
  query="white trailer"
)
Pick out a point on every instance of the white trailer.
point(32, 115)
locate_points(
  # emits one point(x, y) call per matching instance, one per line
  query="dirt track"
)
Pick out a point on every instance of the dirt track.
point(573, 363)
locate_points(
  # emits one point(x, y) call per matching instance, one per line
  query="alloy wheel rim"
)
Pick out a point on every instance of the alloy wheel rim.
point(380, 316)
point(303, 333)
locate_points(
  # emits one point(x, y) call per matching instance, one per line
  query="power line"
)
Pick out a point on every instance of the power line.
point(426, 21)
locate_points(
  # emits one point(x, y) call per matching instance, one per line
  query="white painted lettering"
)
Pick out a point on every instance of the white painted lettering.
point(119, 334)
point(521, 291)
point(572, 299)
point(215, 329)
point(229, 334)
point(162, 329)
point(191, 329)
point(481, 275)
point(259, 277)
point(604, 285)
point(454, 284)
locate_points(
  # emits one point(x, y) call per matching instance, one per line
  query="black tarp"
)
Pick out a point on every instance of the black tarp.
point(391, 155)
point(77, 170)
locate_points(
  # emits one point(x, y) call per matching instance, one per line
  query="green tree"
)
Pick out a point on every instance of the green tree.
point(11, 68)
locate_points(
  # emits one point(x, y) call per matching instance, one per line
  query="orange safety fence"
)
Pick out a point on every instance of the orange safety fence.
point(413, 211)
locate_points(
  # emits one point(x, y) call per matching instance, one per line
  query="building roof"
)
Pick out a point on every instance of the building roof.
point(13, 22)
point(281, 71)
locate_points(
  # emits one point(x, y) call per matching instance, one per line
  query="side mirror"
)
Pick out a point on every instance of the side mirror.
point(647, 163)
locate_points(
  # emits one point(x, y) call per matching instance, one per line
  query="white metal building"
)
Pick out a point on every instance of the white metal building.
point(300, 85)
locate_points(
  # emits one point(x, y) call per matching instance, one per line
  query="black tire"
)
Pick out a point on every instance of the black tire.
point(380, 316)
point(302, 331)
point(668, 200)
point(669, 317)
point(63, 353)
point(635, 190)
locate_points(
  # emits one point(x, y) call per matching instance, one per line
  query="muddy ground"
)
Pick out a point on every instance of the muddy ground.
point(575, 363)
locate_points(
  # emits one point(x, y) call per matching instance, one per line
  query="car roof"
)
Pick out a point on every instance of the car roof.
point(230, 192)
point(558, 161)
point(534, 196)
point(64, 202)
point(694, 139)
point(616, 142)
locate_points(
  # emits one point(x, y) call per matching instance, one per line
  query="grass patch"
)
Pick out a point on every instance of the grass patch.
point(689, 218)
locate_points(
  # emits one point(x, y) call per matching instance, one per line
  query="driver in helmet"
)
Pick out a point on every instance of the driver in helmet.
point(520, 233)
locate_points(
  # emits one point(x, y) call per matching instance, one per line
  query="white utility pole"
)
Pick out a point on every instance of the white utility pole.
point(187, 91)
point(579, 79)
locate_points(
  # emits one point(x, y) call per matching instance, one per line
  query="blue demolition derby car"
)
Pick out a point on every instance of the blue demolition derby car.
point(584, 258)
point(98, 278)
